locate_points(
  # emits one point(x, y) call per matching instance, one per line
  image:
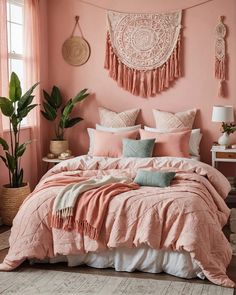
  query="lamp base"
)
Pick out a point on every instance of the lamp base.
point(224, 139)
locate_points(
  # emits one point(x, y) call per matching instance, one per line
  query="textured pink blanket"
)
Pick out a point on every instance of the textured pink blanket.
point(188, 216)
point(91, 209)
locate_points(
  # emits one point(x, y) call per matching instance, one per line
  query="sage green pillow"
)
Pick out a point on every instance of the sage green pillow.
point(154, 178)
point(142, 148)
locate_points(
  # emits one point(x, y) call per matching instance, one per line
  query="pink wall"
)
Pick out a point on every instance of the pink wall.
point(197, 88)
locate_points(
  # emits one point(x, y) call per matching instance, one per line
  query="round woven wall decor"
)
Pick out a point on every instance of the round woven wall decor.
point(75, 51)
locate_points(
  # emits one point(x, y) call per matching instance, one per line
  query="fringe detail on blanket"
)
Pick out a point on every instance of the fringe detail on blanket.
point(144, 83)
point(69, 224)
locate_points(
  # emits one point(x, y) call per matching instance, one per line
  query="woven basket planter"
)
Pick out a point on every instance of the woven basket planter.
point(58, 146)
point(10, 201)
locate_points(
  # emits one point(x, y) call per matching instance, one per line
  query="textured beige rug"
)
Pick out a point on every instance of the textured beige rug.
point(4, 237)
point(37, 281)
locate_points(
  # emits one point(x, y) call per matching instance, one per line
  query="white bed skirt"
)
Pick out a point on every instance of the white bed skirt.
point(144, 259)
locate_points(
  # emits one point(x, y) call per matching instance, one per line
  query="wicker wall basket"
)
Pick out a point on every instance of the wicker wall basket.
point(10, 201)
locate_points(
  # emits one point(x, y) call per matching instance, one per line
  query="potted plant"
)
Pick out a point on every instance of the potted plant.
point(54, 110)
point(15, 108)
point(227, 129)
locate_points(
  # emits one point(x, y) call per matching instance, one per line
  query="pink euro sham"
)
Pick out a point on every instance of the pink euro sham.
point(107, 144)
point(172, 144)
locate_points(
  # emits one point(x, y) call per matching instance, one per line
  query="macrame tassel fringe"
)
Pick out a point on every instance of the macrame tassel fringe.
point(220, 73)
point(220, 68)
point(143, 83)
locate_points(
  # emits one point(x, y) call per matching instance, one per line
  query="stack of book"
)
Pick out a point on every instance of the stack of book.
point(218, 147)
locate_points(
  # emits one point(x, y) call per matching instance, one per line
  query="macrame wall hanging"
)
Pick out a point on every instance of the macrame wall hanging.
point(143, 50)
point(76, 50)
point(220, 56)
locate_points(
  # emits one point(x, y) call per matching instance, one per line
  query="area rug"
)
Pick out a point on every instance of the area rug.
point(4, 237)
point(38, 281)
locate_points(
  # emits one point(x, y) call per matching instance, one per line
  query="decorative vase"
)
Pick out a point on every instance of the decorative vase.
point(11, 199)
point(224, 139)
point(58, 146)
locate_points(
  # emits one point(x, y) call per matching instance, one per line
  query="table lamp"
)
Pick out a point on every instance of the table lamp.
point(223, 114)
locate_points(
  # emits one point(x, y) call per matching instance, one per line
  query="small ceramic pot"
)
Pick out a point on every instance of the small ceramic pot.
point(58, 146)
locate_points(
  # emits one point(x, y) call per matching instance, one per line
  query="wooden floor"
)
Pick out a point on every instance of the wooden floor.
point(231, 271)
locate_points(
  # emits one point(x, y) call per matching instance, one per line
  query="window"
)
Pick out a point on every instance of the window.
point(15, 35)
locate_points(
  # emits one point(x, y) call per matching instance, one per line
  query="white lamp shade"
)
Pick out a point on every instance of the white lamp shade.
point(222, 114)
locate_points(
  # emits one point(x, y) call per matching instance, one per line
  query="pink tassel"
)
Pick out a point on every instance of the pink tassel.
point(143, 90)
point(107, 56)
point(120, 74)
point(221, 89)
point(154, 82)
point(148, 75)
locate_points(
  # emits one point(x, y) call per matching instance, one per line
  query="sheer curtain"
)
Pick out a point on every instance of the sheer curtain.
point(32, 75)
point(3, 56)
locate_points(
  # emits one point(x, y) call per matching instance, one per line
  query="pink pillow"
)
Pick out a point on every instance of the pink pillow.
point(172, 144)
point(109, 144)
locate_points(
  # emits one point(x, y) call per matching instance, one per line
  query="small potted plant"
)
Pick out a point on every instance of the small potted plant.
point(227, 129)
point(15, 108)
point(54, 110)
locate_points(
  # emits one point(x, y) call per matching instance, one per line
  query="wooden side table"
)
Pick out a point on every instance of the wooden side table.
point(54, 161)
point(228, 156)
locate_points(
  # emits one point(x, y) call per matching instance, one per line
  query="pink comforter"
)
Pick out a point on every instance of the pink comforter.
point(188, 216)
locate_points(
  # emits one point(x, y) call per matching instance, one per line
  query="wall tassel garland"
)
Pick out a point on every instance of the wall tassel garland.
point(143, 51)
point(220, 56)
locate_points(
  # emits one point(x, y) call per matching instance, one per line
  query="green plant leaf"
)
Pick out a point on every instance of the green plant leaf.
point(80, 96)
point(4, 160)
point(4, 144)
point(71, 122)
point(20, 177)
point(14, 123)
point(29, 92)
point(23, 113)
point(11, 161)
point(56, 96)
point(24, 102)
point(6, 106)
point(14, 88)
point(46, 116)
point(21, 148)
point(50, 111)
point(49, 99)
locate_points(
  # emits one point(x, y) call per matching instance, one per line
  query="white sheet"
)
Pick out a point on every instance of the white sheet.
point(143, 259)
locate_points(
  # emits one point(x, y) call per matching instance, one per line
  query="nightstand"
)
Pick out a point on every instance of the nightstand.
point(226, 155)
point(54, 161)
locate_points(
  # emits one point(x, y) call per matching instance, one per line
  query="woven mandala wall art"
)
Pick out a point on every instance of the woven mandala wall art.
point(220, 55)
point(143, 50)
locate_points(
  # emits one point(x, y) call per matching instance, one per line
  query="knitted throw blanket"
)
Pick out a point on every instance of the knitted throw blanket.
point(91, 208)
point(143, 50)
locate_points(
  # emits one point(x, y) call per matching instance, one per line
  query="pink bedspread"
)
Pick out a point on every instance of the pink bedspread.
point(188, 216)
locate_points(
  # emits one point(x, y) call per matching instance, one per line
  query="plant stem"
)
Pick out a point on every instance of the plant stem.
point(11, 139)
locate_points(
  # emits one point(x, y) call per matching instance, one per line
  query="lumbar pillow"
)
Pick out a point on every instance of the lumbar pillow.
point(109, 144)
point(109, 118)
point(154, 178)
point(194, 141)
point(138, 148)
point(167, 120)
point(117, 129)
point(170, 144)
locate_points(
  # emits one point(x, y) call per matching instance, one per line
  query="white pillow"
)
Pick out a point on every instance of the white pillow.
point(194, 141)
point(107, 129)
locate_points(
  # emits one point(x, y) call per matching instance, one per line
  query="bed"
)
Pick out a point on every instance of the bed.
point(176, 229)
